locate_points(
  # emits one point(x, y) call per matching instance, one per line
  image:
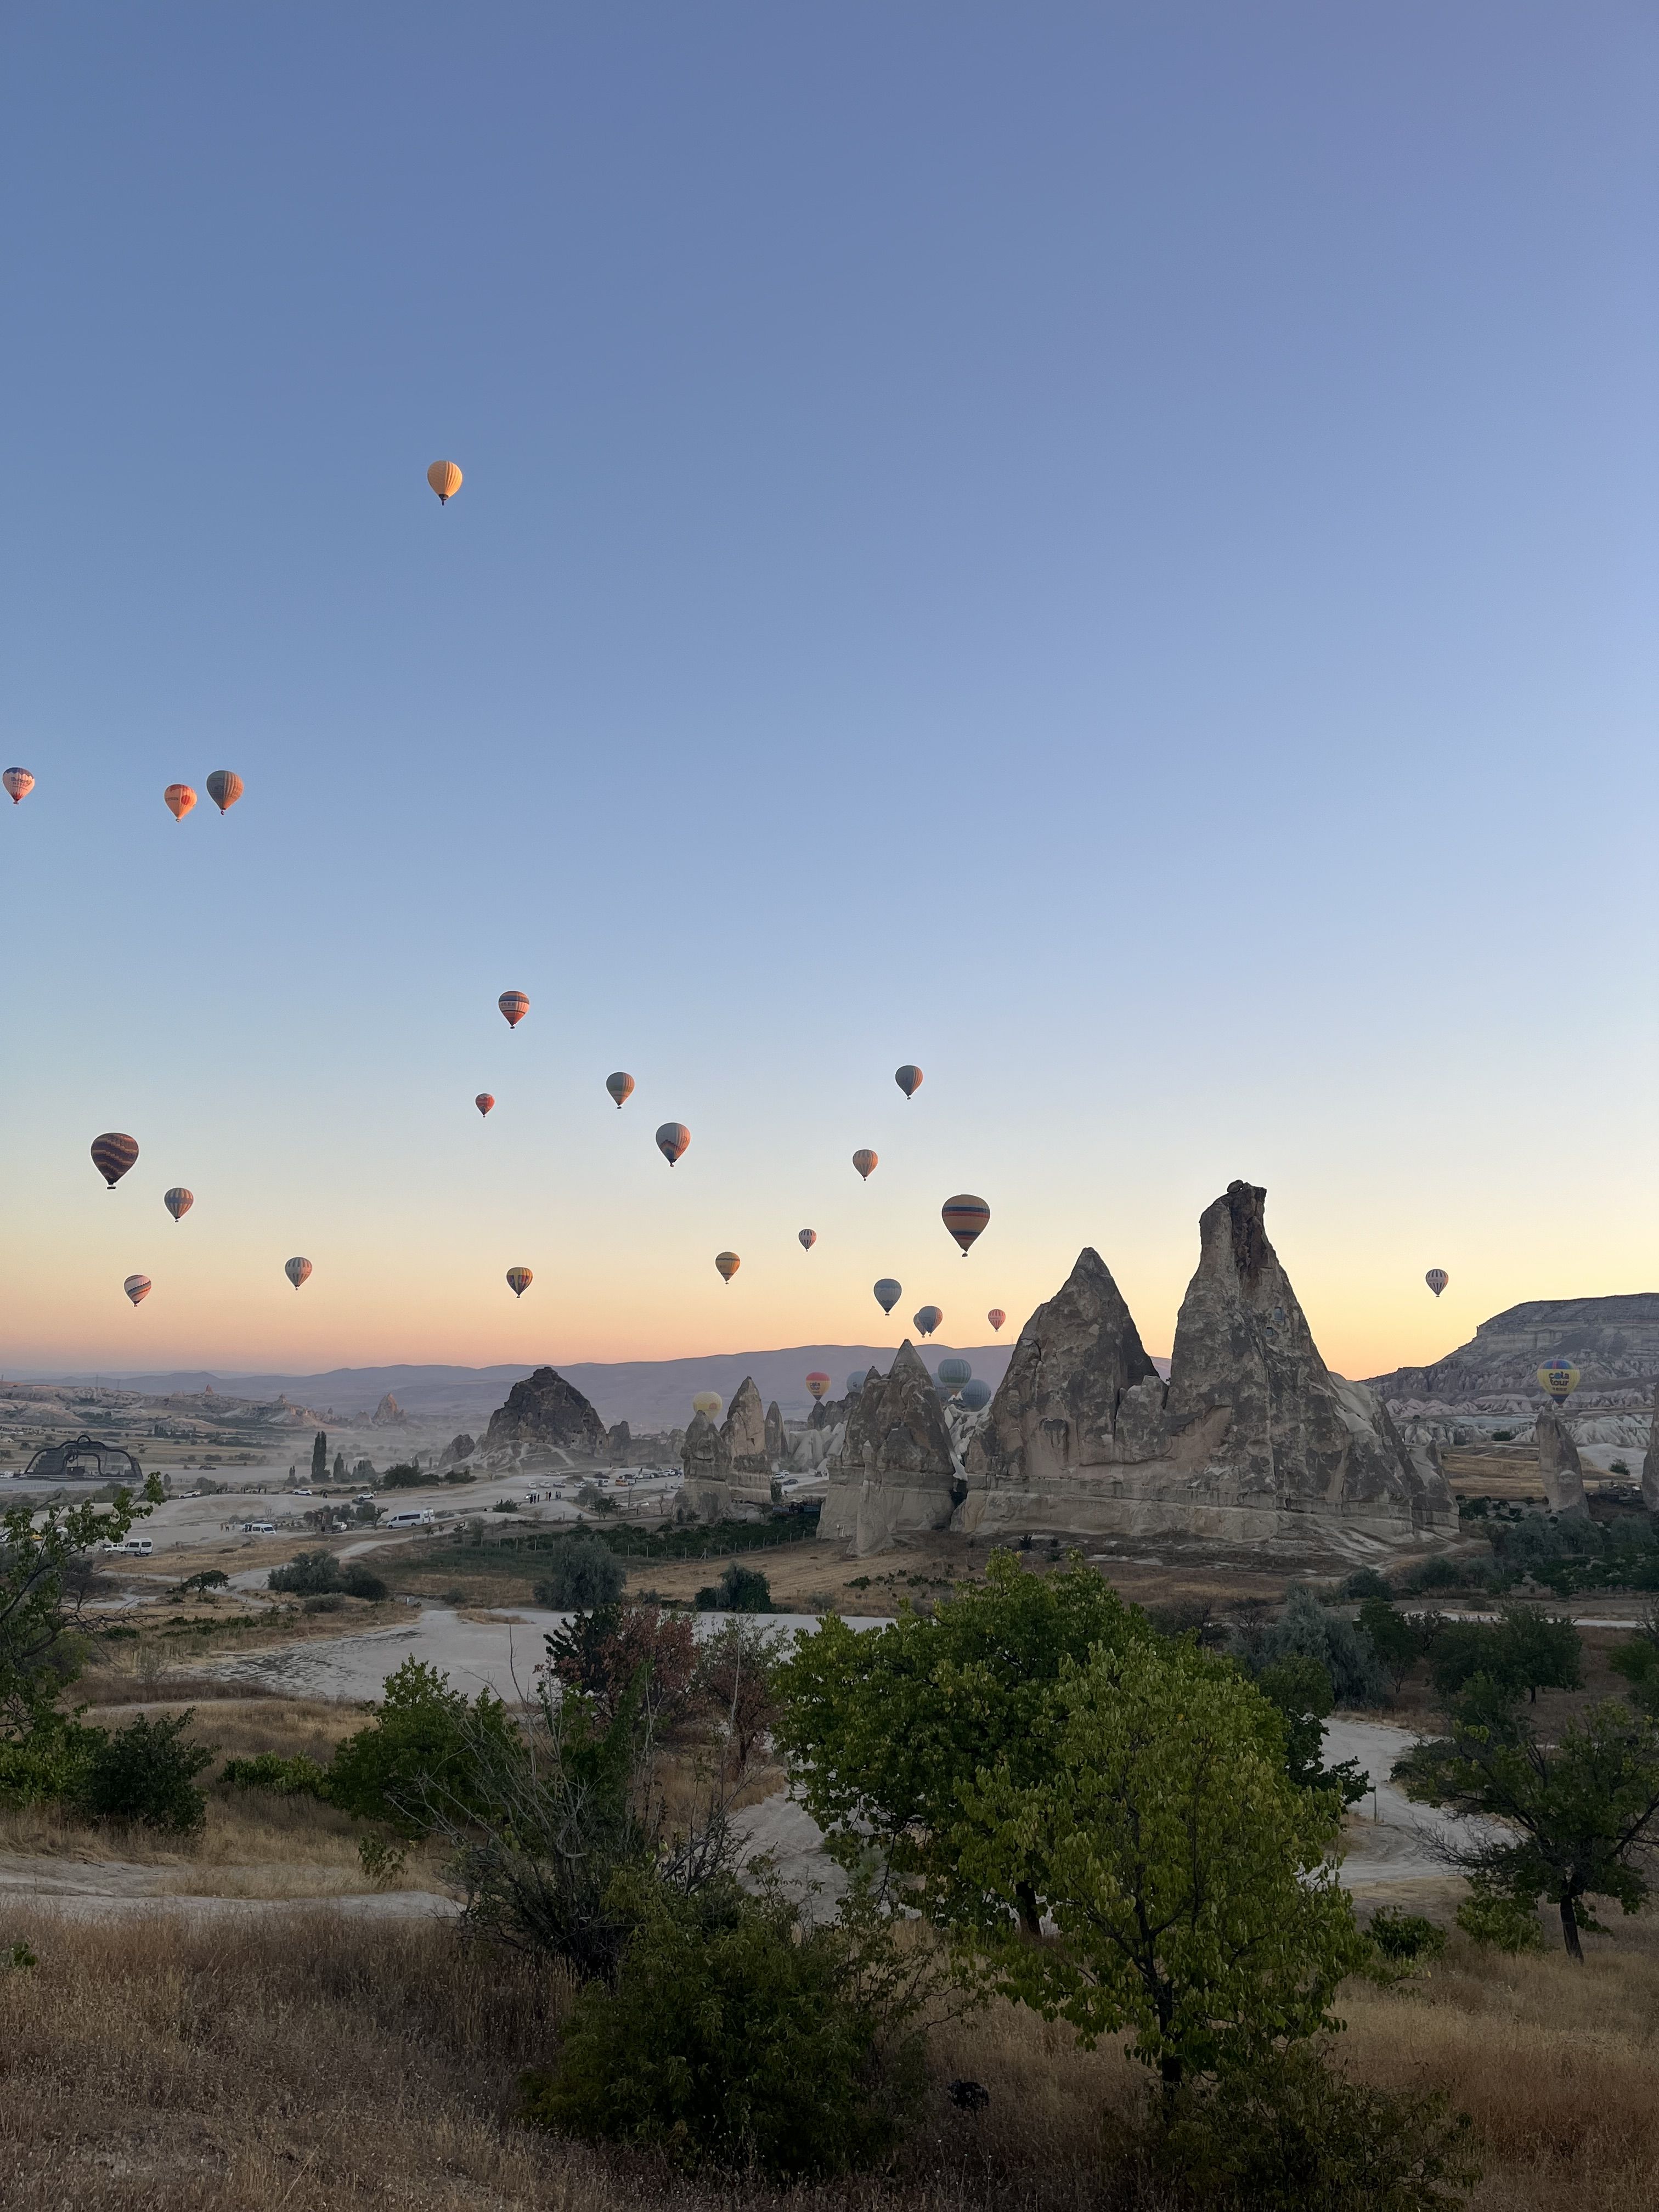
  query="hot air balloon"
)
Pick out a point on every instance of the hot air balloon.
point(514, 1006)
point(817, 1384)
point(179, 1202)
point(808, 1237)
point(1559, 1377)
point(865, 1164)
point(926, 1319)
point(708, 1403)
point(297, 1271)
point(519, 1280)
point(621, 1088)
point(113, 1154)
point(996, 1317)
point(445, 479)
point(854, 1384)
point(908, 1079)
point(728, 1263)
point(672, 1138)
point(19, 783)
point(137, 1288)
point(224, 788)
point(1437, 1279)
point(964, 1216)
point(179, 799)
point(976, 1394)
point(956, 1373)
point(888, 1293)
point(483, 1102)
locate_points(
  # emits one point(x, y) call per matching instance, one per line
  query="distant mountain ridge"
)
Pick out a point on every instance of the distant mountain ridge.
point(1612, 1342)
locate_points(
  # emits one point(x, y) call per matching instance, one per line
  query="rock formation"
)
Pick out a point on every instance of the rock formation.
point(1557, 1464)
point(776, 1441)
point(1252, 1437)
point(894, 1471)
point(544, 1414)
point(457, 1450)
point(388, 1415)
point(617, 1444)
point(707, 1464)
point(743, 1434)
point(1650, 1461)
point(1614, 1342)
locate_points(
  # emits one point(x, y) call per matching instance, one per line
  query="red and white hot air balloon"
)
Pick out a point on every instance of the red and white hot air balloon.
point(179, 799)
point(1437, 1279)
point(996, 1317)
point(19, 783)
point(483, 1102)
point(865, 1163)
point(672, 1138)
point(514, 1006)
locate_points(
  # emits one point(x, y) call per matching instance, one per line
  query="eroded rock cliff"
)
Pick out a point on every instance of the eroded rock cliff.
point(894, 1470)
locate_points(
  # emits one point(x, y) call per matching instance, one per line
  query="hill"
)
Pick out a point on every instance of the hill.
point(1614, 1342)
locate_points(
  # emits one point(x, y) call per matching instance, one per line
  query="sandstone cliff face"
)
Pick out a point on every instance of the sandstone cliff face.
point(707, 1464)
point(457, 1451)
point(544, 1414)
point(894, 1469)
point(1650, 1461)
point(1558, 1465)
point(1614, 1341)
point(1252, 1437)
point(776, 1441)
point(744, 1435)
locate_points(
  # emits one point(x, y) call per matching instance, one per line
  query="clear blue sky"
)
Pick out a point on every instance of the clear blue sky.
point(1107, 550)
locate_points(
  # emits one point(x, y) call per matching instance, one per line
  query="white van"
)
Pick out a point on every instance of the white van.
point(139, 1547)
point(421, 1518)
point(258, 1527)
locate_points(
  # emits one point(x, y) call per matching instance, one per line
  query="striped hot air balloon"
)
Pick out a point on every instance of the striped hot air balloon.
point(818, 1383)
point(621, 1087)
point(445, 479)
point(908, 1079)
point(19, 783)
point(113, 1154)
point(179, 799)
point(137, 1288)
point(1559, 1377)
point(514, 1006)
point(728, 1263)
point(519, 1280)
point(956, 1374)
point(865, 1164)
point(483, 1102)
point(179, 1202)
point(224, 788)
point(964, 1216)
point(808, 1237)
point(996, 1317)
point(672, 1138)
point(297, 1271)
point(926, 1319)
point(1437, 1279)
point(888, 1293)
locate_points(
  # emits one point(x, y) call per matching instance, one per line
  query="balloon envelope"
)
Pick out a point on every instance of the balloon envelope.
point(854, 1384)
point(113, 1154)
point(297, 1271)
point(708, 1403)
point(976, 1394)
point(672, 1138)
point(483, 1102)
point(514, 1006)
point(817, 1384)
point(808, 1237)
point(996, 1317)
point(178, 1200)
point(865, 1163)
point(955, 1372)
point(1559, 1377)
point(179, 799)
point(225, 788)
point(19, 783)
point(908, 1079)
point(728, 1263)
point(964, 1216)
point(519, 1280)
point(137, 1288)
point(1437, 1279)
point(926, 1319)
point(888, 1293)
point(621, 1087)
point(445, 479)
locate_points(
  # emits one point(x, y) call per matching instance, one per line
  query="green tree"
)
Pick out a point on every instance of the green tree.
point(580, 1571)
point(339, 1467)
point(1523, 1650)
point(307, 1574)
point(1188, 1878)
point(1577, 1818)
point(147, 1772)
point(887, 1730)
point(739, 1589)
point(1637, 1660)
point(1299, 1691)
point(1394, 1639)
point(418, 1761)
point(40, 1554)
point(615, 1651)
point(319, 1457)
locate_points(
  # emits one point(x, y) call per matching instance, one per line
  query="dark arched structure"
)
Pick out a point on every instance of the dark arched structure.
point(83, 1459)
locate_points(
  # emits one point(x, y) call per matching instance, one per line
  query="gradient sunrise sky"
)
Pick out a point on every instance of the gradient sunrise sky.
point(1109, 550)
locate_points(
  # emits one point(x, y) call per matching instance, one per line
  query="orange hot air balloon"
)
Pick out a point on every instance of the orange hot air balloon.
point(519, 1280)
point(224, 788)
point(621, 1087)
point(445, 479)
point(996, 1317)
point(865, 1163)
point(817, 1384)
point(908, 1079)
point(179, 799)
point(672, 1138)
point(728, 1263)
point(1437, 1279)
point(514, 1006)
point(113, 1154)
point(483, 1102)
point(19, 783)
point(137, 1288)
point(808, 1237)
point(964, 1216)
point(297, 1271)
point(179, 1202)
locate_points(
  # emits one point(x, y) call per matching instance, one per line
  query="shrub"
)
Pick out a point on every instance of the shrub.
point(330, 1602)
point(415, 1760)
point(739, 2035)
point(382, 1859)
point(359, 1581)
point(1308, 1630)
point(146, 1771)
point(739, 1589)
point(1397, 1641)
point(505, 1505)
point(404, 1476)
point(268, 1769)
point(307, 1574)
point(581, 1572)
point(612, 1652)
point(1403, 1941)
point(1499, 1922)
point(1365, 1581)
point(49, 1764)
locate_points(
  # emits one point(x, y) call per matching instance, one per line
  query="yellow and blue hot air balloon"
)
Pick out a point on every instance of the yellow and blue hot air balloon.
point(1559, 1377)
point(964, 1216)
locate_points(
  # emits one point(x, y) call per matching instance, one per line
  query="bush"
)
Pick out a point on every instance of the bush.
point(268, 1769)
point(613, 1652)
point(404, 1476)
point(739, 2035)
point(49, 1764)
point(739, 1589)
point(581, 1573)
point(416, 1761)
point(1499, 1922)
point(1403, 1941)
point(1308, 1630)
point(359, 1581)
point(307, 1574)
point(505, 1505)
point(146, 1771)
point(1365, 1581)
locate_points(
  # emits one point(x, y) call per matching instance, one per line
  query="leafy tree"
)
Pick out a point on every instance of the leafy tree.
point(404, 1476)
point(582, 1572)
point(1365, 1581)
point(1299, 1691)
point(211, 1578)
point(1523, 1650)
point(1186, 1874)
point(737, 1684)
point(319, 1457)
point(615, 1651)
point(739, 1589)
point(1637, 1660)
point(339, 1467)
point(1579, 1817)
point(359, 1581)
point(147, 1772)
point(1394, 1639)
point(307, 1574)
point(1307, 1629)
point(887, 1730)
point(419, 1756)
point(40, 1650)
